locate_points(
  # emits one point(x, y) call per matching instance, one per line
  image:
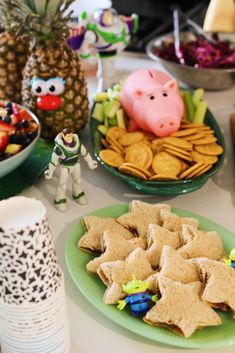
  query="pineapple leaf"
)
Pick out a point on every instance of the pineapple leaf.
point(53, 6)
point(42, 20)
point(40, 6)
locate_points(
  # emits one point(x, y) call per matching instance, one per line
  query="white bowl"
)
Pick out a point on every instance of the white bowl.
point(11, 163)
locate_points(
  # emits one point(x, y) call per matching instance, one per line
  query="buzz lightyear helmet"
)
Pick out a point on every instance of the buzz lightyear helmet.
point(106, 17)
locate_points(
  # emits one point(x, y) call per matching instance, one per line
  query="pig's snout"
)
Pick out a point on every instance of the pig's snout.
point(166, 126)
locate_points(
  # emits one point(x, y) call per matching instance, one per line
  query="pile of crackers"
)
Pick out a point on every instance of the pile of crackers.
point(188, 153)
point(182, 264)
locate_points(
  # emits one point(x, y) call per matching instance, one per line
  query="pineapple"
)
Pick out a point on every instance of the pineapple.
point(13, 56)
point(54, 86)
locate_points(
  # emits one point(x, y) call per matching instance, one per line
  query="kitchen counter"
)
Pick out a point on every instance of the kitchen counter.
point(90, 330)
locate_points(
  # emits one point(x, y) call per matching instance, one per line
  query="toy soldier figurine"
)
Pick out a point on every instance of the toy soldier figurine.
point(67, 151)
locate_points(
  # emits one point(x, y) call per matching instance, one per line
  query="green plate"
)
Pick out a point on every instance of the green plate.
point(93, 289)
point(26, 174)
point(161, 187)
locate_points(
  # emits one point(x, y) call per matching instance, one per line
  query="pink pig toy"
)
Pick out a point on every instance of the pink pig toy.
point(152, 102)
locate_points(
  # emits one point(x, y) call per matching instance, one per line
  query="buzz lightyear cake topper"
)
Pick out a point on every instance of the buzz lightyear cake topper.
point(66, 153)
point(108, 33)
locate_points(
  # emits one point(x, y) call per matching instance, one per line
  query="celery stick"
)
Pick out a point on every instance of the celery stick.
point(197, 96)
point(200, 112)
point(113, 122)
point(98, 112)
point(121, 118)
point(112, 108)
point(189, 105)
point(101, 96)
point(103, 129)
point(117, 87)
point(106, 122)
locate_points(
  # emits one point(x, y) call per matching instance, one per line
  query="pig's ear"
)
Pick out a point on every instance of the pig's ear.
point(138, 93)
point(172, 84)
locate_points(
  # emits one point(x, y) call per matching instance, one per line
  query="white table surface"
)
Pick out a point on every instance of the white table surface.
point(90, 330)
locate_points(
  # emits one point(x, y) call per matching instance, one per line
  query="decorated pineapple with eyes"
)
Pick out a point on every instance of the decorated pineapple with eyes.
point(53, 86)
point(13, 55)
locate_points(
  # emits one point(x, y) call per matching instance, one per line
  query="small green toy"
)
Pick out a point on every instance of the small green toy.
point(137, 297)
point(231, 260)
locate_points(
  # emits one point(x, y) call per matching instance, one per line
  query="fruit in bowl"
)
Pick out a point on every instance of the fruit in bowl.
point(19, 131)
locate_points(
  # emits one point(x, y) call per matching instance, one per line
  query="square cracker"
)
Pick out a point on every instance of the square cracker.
point(180, 308)
point(95, 227)
point(115, 274)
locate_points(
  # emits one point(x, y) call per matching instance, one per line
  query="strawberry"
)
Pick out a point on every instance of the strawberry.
point(4, 138)
point(16, 111)
point(6, 127)
point(25, 115)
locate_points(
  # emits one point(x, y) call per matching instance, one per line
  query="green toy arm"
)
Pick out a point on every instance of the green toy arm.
point(121, 304)
point(154, 298)
point(227, 262)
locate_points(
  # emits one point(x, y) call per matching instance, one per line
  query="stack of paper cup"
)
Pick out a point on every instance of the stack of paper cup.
point(33, 316)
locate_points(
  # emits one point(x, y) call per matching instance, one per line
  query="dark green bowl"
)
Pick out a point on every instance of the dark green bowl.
point(175, 187)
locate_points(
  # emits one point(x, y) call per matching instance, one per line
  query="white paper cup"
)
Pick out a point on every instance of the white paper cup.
point(29, 271)
point(45, 331)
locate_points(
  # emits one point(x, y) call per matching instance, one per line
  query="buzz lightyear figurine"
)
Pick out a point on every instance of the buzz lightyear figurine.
point(108, 33)
point(66, 154)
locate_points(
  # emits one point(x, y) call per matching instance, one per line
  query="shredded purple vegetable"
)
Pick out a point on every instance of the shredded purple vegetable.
point(200, 53)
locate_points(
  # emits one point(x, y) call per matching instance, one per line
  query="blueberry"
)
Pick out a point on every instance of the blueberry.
point(14, 139)
point(18, 125)
point(32, 135)
point(25, 124)
point(8, 105)
point(7, 119)
point(9, 110)
point(26, 142)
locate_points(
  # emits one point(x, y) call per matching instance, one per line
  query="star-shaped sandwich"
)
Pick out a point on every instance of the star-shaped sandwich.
point(140, 215)
point(116, 273)
point(95, 227)
point(115, 248)
point(177, 268)
point(198, 243)
point(157, 237)
point(180, 308)
point(219, 284)
point(173, 222)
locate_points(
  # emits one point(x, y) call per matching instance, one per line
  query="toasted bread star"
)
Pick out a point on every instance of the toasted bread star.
point(198, 243)
point(157, 237)
point(116, 273)
point(180, 308)
point(219, 284)
point(177, 268)
point(140, 215)
point(173, 222)
point(152, 282)
point(115, 248)
point(95, 227)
